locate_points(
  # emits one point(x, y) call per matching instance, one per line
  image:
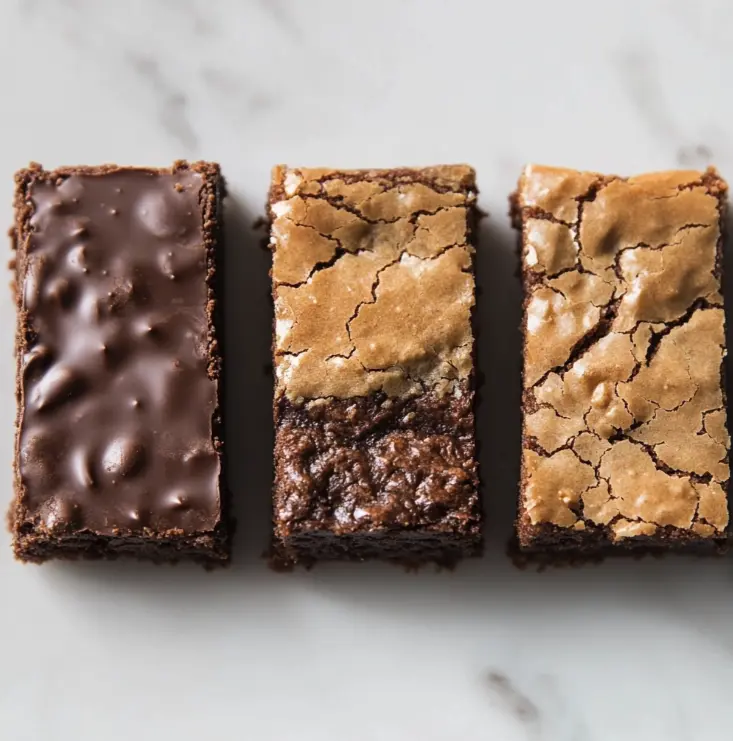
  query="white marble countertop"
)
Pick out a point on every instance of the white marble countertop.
point(622, 651)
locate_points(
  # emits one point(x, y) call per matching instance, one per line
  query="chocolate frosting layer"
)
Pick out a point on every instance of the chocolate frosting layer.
point(117, 394)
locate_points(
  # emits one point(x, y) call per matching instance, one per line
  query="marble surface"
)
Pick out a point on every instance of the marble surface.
point(625, 650)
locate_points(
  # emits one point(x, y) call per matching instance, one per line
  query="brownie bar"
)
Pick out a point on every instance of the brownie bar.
point(625, 441)
point(119, 444)
point(375, 453)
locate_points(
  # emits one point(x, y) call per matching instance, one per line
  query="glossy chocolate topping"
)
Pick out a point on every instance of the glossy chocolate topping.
point(117, 397)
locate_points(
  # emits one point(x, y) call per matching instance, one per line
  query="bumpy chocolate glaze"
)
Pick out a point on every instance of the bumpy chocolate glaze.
point(118, 387)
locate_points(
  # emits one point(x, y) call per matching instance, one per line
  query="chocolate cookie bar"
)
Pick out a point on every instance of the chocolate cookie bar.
point(373, 287)
point(625, 441)
point(119, 443)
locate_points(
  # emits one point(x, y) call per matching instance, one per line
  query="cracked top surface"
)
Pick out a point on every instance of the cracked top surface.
point(373, 283)
point(625, 422)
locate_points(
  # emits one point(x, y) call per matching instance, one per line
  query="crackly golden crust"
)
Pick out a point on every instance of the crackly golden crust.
point(372, 281)
point(625, 424)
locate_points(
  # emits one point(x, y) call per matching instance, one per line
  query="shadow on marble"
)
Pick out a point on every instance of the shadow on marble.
point(248, 336)
point(498, 416)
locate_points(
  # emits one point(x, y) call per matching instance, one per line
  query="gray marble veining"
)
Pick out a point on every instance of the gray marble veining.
point(626, 650)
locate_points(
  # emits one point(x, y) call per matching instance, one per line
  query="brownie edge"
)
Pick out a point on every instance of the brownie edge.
point(120, 418)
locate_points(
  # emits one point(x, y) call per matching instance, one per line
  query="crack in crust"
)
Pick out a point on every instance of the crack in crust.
point(374, 426)
point(372, 281)
point(623, 358)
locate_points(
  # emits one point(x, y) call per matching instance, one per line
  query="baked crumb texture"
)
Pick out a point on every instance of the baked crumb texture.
point(625, 441)
point(373, 293)
point(119, 443)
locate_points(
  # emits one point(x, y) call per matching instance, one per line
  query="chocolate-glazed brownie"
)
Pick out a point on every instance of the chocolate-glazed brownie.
point(625, 442)
point(119, 445)
point(373, 288)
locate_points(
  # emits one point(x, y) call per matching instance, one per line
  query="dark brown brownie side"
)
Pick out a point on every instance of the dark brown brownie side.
point(373, 474)
point(587, 539)
point(165, 538)
point(373, 454)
